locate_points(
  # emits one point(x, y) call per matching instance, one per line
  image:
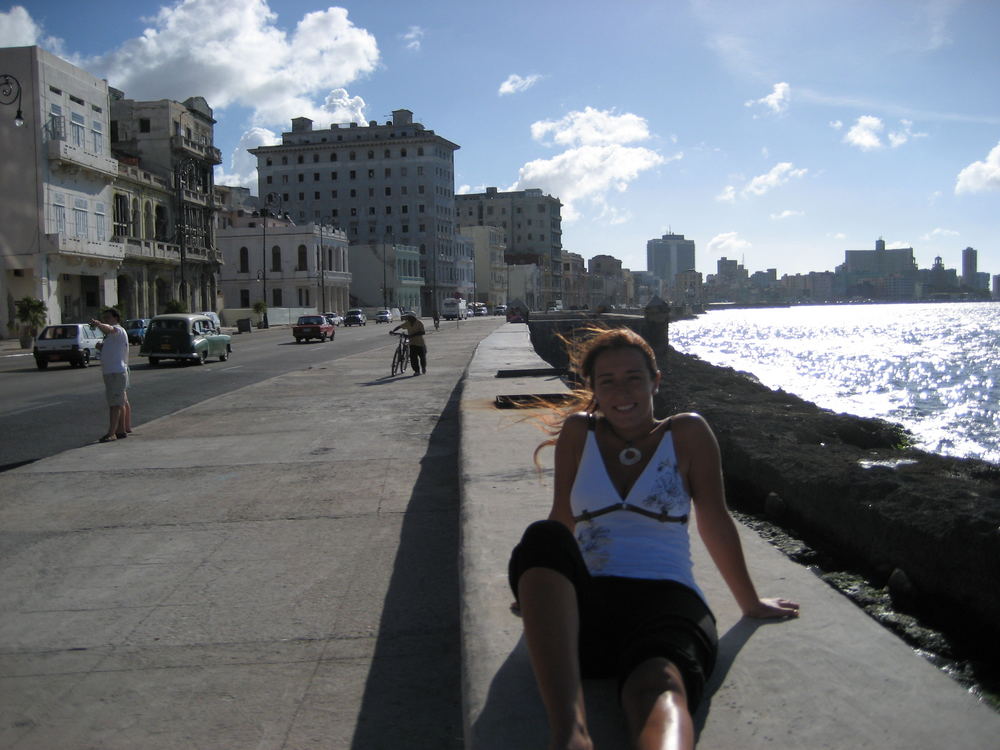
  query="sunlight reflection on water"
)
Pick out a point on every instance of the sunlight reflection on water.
point(935, 368)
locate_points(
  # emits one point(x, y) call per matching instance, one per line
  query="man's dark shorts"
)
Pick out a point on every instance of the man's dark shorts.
point(624, 621)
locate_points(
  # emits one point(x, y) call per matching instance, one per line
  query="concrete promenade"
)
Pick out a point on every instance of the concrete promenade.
point(319, 561)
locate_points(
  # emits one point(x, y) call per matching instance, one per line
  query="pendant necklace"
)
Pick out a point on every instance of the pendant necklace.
point(629, 455)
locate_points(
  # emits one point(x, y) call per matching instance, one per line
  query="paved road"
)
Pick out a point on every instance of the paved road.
point(45, 412)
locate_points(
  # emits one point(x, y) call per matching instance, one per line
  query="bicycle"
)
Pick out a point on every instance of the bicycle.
point(400, 357)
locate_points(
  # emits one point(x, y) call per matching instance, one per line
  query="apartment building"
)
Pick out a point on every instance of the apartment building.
point(574, 282)
point(489, 247)
point(164, 203)
point(268, 258)
point(56, 234)
point(392, 183)
point(533, 222)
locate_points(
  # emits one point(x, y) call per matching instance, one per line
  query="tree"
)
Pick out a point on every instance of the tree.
point(175, 306)
point(32, 314)
point(260, 307)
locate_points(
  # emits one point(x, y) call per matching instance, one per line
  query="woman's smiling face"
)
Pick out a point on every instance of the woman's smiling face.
point(624, 387)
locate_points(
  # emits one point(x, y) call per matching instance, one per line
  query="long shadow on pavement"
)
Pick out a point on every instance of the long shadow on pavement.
point(412, 697)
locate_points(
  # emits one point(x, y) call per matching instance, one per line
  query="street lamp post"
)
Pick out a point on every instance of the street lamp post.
point(263, 251)
point(10, 92)
point(322, 259)
point(182, 173)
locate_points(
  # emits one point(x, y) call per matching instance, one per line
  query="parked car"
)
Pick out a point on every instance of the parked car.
point(335, 318)
point(313, 327)
point(355, 317)
point(214, 318)
point(76, 343)
point(383, 316)
point(500, 309)
point(186, 337)
point(136, 329)
point(480, 311)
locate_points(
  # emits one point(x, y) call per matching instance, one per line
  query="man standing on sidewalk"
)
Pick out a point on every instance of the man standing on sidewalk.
point(114, 367)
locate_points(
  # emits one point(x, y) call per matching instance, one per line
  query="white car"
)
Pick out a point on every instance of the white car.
point(335, 318)
point(383, 316)
point(215, 320)
point(76, 343)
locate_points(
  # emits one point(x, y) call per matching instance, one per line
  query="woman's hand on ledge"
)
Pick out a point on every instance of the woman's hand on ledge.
point(769, 609)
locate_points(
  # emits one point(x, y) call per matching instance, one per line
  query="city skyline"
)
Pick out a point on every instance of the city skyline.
point(780, 134)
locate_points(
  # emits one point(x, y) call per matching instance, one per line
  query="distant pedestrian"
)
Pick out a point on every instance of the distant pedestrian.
point(413, 328)
point(114, 367)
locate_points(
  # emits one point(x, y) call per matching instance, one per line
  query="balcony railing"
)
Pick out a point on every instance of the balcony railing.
point(86, 247)
point(67, 154)
point(209, 153)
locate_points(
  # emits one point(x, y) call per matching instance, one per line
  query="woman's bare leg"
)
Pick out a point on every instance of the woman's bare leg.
point(552, 629)
point(656, 709)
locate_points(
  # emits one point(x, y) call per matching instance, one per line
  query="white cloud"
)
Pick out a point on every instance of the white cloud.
point(591, 127)
point(787, 214)
point(836, 124)
point(413, 38)
point(516, 84)
point(905, 133)
point(778, 175)
point(728, 244)
point(243, 166)
point(839, 236)
point(939, 232)
point(865, 133)
point(597, 160)
point(728, 195)
point(242, 58)
point(777, 101)
point(980, 175)
point(19, 29)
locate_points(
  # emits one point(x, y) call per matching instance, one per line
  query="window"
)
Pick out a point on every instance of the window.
point(59, 213)
point(276, 259)
point(244, 298)
point(244, 263)
point(371, 210)
point(420, 189)
point(143, 125)
point(388, 209)
point(420, 151)
point(387, 155)
point(371, 174)
point(302, 265)
point(371, 192)
point(269, 179)
point(315, 176)
point(316, 195)
point(420, 209)
point(354, 211)
point(80, 217)
point(303, 297)
point(269, 161)
point(300, 159)
point(100, 223)
point(121, 215)
point(354, 193)
point(333, 175)
point(402, 152)
point(284, 160)
point(388, 191)
point(315, 158)
point(96, 137)
point(333, 157)
point(388, 172)
point(333, 193)
point(77, 126)
point(371, 154)
point(406, 209)
point(351, 156)
point(302, 196)
point(284, 179)
point(276, 298)
point(353, 175)
point(301, 177)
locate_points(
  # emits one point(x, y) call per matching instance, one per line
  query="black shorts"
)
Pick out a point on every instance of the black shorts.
point(625, 621)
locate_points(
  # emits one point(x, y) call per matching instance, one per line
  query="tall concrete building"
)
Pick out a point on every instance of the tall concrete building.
point(165, 203)
point(970, 260)
point(391, 183)
point(56, 234)
point(668, 256)
point(533, 222)
point(490, 268)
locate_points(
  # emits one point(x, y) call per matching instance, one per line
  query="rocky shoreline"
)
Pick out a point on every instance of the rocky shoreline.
point(918, 533)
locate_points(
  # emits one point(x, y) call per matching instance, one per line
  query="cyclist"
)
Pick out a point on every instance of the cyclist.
point(418, 349)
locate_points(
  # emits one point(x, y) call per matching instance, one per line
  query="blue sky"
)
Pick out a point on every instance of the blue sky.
point(777, 132)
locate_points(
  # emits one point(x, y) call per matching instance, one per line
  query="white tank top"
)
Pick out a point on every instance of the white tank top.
point(646, 534)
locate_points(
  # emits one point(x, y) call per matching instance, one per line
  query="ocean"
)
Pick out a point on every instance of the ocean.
point(934, 368)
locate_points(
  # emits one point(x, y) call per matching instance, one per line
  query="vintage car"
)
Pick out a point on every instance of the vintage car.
point(313, 327)
point(185, 337)
point(76, 343)
point(355, 317)
point(136, 329)
point(335, 318)
point(383, 316)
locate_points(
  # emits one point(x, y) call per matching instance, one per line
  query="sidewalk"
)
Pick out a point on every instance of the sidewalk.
point(832, 679)
point(272, 568)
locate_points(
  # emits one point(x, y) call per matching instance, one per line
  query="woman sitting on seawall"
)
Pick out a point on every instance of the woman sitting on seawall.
point(605, 586)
